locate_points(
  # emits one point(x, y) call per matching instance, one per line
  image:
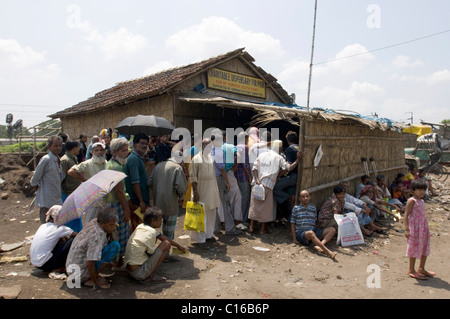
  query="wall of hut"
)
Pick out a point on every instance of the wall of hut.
point(409, 140)
point(212, 115)
point(343, 148)
point(92, 123)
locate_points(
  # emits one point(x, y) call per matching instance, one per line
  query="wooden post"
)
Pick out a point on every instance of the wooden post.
point(301, 145)
point(34, 149)
point(20, 147)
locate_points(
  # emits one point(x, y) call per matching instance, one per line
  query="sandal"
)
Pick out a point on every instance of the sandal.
point(418, 276)
point(427, 273)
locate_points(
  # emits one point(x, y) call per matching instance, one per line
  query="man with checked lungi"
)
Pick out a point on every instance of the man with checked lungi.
point(117, 199)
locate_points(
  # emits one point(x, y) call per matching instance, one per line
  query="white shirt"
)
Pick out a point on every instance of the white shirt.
point(45, 240)
point(256, 150)
point(269, 165)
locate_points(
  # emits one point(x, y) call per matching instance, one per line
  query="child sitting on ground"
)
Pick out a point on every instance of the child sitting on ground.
point(303, 220)
point(142, 256)
point(399, 191)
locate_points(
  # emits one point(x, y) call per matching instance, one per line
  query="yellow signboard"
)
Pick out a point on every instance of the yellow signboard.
point(236, 83)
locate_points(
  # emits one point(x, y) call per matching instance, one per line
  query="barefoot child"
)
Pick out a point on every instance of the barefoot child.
point(303, 220)
point(142, 256)
point(417, 231)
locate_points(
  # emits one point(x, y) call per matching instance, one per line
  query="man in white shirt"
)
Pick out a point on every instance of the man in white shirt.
point(51, 244)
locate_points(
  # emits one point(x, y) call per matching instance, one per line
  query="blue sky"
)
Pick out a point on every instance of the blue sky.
point(54, 54)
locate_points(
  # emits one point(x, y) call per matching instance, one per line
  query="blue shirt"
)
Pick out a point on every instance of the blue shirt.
point(136, 173)
point(194, 150)
point(303, 217)
point(229, 151)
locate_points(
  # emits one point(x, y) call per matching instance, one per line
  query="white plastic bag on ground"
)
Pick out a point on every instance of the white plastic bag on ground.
point(349, 233)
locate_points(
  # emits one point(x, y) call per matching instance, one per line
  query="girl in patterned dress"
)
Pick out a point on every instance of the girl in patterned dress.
point(417, 231)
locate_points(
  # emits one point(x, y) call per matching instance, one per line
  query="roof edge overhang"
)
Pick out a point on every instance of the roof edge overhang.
point(284, 112)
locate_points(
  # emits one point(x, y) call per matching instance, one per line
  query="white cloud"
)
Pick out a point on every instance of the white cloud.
point(216, 35)
point(114, 44)
point(13, 54)
point(435, 78)
point(438, 77)
point(117, 44)
point(351, 59)
point(402, 61)
point(18, 61)
point(360, 97)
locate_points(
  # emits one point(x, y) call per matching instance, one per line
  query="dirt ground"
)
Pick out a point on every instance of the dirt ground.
point(235, 267)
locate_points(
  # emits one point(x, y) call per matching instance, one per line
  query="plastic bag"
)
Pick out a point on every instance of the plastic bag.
point(195, 216)
point(259, 192)
point(349, 232)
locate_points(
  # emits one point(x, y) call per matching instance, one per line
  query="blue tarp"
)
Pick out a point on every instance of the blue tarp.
point(366, 117)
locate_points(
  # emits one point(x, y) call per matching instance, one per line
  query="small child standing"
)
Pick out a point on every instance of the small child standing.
point(417, 231)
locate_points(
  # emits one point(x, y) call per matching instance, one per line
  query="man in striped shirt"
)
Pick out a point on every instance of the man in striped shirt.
point(303, 221)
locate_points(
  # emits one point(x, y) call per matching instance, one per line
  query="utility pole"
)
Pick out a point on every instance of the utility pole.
point(411, 118)
point(312, 55)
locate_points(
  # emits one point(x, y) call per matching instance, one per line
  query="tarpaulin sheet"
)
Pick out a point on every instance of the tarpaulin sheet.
point(418, 129)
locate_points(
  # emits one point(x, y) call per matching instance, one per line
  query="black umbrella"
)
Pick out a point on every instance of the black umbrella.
point(147, 124)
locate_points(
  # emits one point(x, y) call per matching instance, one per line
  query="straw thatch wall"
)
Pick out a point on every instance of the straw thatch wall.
point(92, 123)
point(409, 140)
point(343, 148)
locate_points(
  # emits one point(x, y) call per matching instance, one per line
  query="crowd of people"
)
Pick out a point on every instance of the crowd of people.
point(245, 185)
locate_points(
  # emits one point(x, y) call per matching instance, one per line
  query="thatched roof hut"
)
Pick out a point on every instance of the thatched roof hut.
point(231, 91)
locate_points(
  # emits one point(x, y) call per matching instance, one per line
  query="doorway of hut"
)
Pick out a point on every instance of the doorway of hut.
point(286, 201)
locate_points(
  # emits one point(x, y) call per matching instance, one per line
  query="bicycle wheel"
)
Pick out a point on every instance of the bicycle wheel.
point(444, 173)
point(440, 171)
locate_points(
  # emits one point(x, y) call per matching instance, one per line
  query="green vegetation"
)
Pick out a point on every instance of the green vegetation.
point(26, 147)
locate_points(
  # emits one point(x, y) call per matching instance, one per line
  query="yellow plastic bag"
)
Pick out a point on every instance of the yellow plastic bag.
point(195, 217)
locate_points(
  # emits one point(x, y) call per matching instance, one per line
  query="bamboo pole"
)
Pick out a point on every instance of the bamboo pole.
point(34, 149)
point(312, 55)
point(301, 145)
point(335, 183)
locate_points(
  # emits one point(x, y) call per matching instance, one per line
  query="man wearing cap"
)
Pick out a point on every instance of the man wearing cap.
point(89, 168)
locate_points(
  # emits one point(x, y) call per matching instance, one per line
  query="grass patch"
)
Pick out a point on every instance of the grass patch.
point(26, 147)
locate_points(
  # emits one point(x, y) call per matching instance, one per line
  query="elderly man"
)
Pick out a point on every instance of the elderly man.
point(204, 189)
point(266, 169)
point(90, 251)
point(117, 199)
point(169, 185)
point(87, 169)
point(136, 180)
point(47, 178)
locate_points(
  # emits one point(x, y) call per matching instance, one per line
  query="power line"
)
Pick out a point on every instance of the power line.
point(30, 105)
point(384, 48)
